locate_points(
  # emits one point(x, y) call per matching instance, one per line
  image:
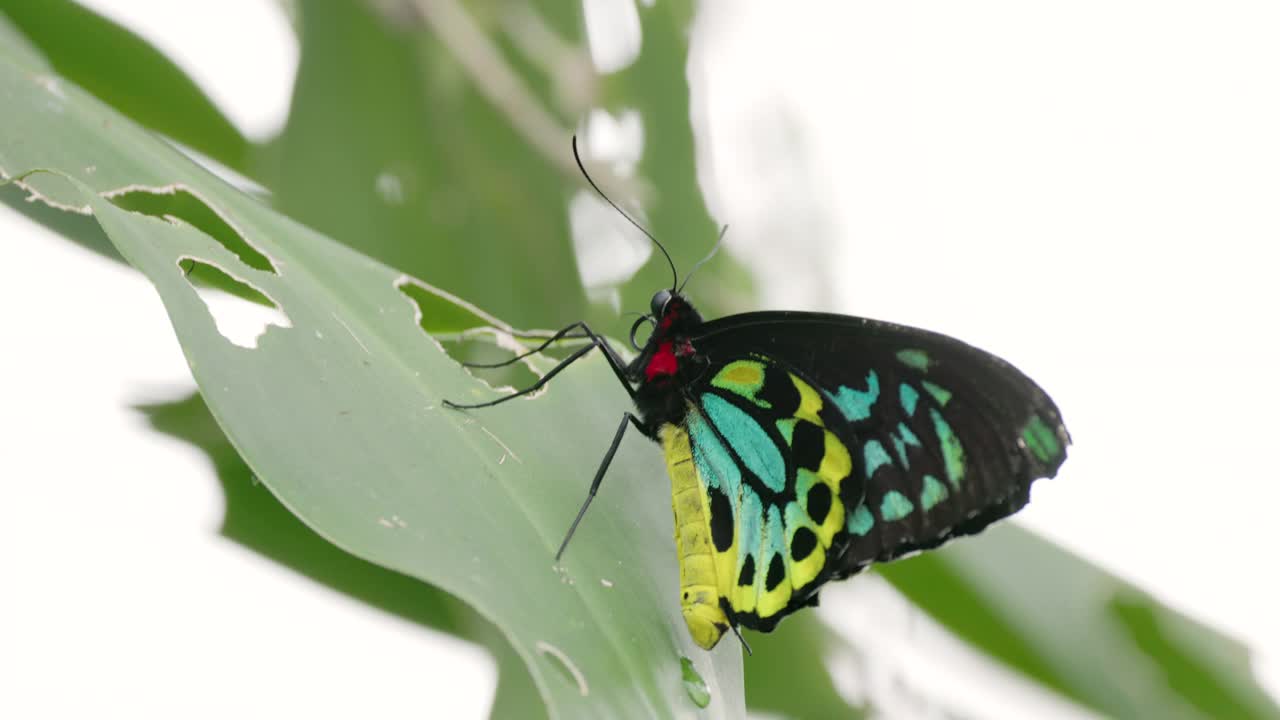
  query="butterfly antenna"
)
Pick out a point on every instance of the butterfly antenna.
point(703, 261)
point(675, 278)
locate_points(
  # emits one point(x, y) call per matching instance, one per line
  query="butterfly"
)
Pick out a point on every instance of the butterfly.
point(803, 447)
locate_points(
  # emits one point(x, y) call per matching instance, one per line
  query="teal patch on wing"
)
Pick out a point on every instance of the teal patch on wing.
point(908, 396)
point(787, 428)
point(743, 378)
point(932, 493)
point(860, 521)
point(750, 441)
point(901, 439)
point(797, 518)
point(917, 359)
point(952, 450)
point(942, 396)
point(805, 480)
point(895, 506)
point(716, 467)
point(874, 456)
point(751, 537)
point(856, 404)
point(1041, 440)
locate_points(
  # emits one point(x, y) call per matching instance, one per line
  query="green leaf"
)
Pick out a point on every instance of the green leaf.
point(395, 149)
point(340, 416)
point(256, 519)
point(1077, 629)
point(125, 71)
point(20, 49)
point(788, 673)
point(392, 150)
point(400, 102)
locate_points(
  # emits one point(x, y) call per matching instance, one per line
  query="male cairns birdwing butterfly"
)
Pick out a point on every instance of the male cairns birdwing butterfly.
point(804, 446)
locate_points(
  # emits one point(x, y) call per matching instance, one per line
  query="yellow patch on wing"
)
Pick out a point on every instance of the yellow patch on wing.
point(727, 567)
point(805, 571)
point(743, 371)
point(810, 401)
point(836, 466)
point(743, 598)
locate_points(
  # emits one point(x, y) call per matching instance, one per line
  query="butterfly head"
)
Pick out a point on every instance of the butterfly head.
point(674, 323)
point(672, 314)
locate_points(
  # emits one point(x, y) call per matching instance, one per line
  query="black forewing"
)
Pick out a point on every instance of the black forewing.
point(987, 403)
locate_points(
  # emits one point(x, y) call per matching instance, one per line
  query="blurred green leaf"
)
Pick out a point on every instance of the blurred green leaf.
point(126, 72)
point(20, 49)
point(392, 150)
point(788, 674)
point(1077, 629)
point(340, 416)
point(1213, 675)
point(655, 85)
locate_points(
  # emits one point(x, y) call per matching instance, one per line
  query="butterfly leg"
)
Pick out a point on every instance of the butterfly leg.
point(595, 482)
point(539, 334)
point(560, 335)
point(615, 363)
point(734, 626)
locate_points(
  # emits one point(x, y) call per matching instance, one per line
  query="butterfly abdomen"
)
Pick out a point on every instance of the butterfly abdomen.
point(699, 589)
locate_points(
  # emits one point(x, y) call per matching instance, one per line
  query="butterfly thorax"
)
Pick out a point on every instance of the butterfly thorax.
point(668, 363)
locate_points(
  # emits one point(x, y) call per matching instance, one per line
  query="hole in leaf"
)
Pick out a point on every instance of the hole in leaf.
point(481, 348)
point(174, 202)
point(468, 334)
point(440, 313)
point(241, 316)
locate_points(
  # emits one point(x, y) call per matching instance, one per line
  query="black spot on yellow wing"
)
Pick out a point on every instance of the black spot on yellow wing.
point(803, 543)
point(818, 502)
point(747, 577)
point(779, 392)
point(777, 573)
point(721, 520)
point(808, 445)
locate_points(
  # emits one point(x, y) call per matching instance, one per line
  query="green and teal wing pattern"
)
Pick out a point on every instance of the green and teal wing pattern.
point(772, 473)
point(825, 443)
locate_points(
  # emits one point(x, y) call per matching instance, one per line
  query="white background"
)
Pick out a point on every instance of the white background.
point(1088, 189)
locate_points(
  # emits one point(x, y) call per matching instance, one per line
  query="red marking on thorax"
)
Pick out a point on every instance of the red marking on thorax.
point(663, 362)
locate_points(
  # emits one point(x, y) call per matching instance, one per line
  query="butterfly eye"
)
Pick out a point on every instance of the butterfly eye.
point(658, 304)
point(636, 326)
